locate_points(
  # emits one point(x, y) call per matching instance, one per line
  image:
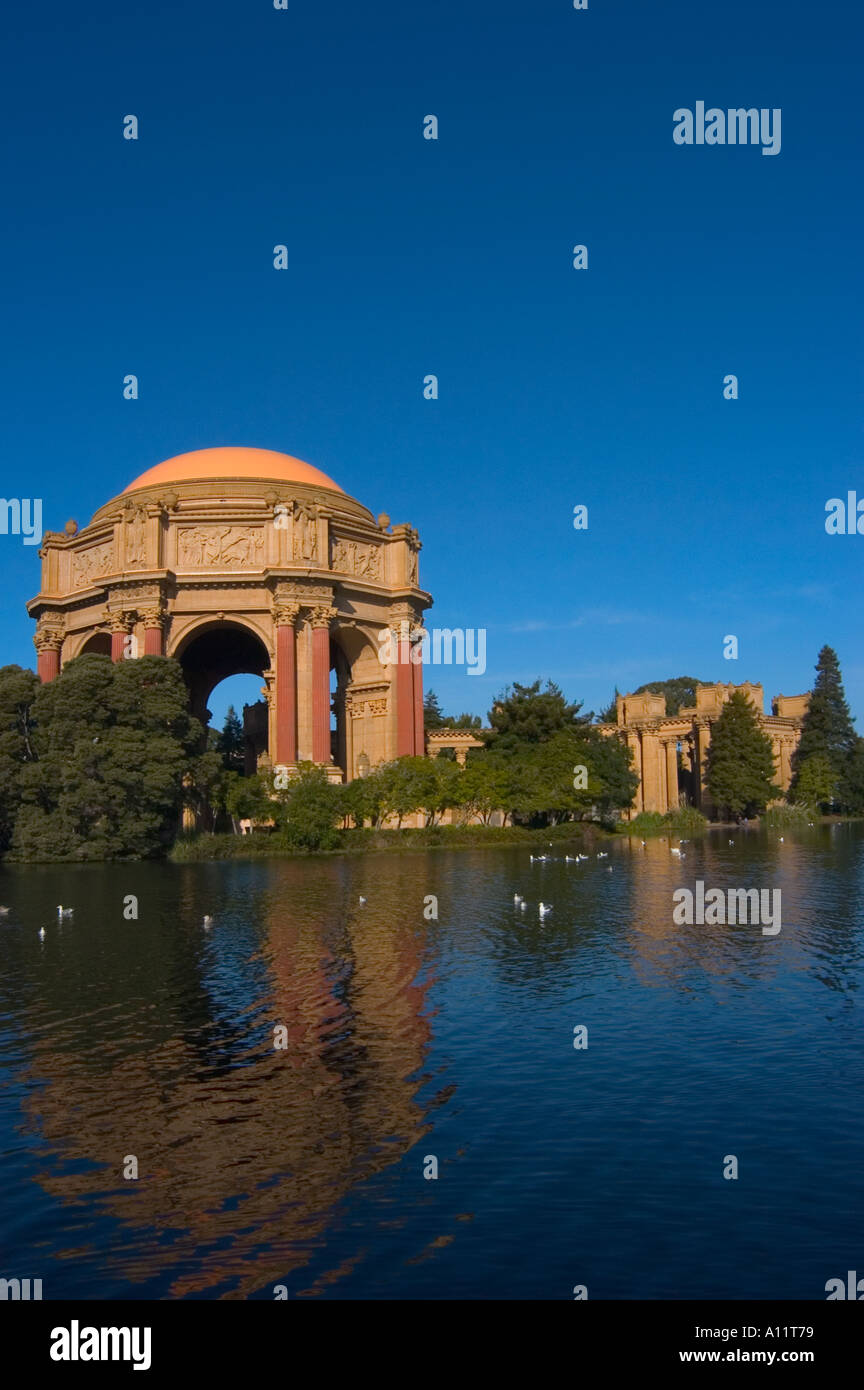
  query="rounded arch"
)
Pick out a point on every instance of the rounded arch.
point(96, 643)
point(215, 649)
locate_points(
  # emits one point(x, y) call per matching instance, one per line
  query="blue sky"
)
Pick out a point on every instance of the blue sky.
point(408, 257)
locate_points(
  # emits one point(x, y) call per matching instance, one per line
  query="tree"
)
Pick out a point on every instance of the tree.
point(309, 810)
point(740, 775)
point(433, 717)
point(816, 783)
point(827, 730)
point(680, 692)
point(112, 743)
point(18, 689)
point(231, 741)
point(524, 715)
point(609, 713)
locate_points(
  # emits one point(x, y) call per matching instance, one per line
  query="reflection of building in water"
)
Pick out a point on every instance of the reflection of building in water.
point(243, 1149)
point(670, 752)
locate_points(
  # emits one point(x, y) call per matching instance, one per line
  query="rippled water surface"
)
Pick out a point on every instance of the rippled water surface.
point(406, 1038)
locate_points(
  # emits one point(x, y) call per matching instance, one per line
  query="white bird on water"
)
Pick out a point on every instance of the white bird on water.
point(362, 901)
point(208, 922)
point(4, 912)
point(545, 909)
point(675, 851)
point(603, 855)
point(517, 898)
point(41, 933)
point(64, 911)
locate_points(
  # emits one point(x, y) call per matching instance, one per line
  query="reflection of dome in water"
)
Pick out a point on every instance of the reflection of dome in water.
point(211, 464)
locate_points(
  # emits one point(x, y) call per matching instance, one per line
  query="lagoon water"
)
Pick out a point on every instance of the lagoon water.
point(408, 1038)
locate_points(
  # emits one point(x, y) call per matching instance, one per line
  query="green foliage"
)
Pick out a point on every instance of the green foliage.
point(112, 744)
point(827, 734)
point(680, 692)
point(779, 817)
point(230, 741)
point(684, 820)
point(815, 783)
point(609, 713)
point(434, 718)
point(524, 715)
point(740, 774)
point(17, 692)
point(308, 810)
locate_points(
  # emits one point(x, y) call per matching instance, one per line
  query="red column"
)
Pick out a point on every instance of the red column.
point(419, 732)
point(404, 700)
point(48, 664)
point(320, 690)
point(153, 641)
point(286, 689)
point(118, 641)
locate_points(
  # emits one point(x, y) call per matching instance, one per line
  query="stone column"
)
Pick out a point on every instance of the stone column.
point(153, 620)
point(703, 743)
point(319, 622)
point(419, 731)
point(651, 792)
point(672, 775)
point(48, 642)
point(120, 624)
point(405, 727)
point(284, 617)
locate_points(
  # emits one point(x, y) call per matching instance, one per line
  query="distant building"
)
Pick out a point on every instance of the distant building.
point(670, 751)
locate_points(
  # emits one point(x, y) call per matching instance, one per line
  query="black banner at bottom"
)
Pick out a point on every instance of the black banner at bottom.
point(230, 1339)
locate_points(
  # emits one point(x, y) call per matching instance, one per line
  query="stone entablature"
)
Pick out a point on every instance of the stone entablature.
point(671, 750)
point(305, 571)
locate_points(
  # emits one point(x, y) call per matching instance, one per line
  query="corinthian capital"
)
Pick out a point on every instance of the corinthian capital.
point(322, 615)
point(285, 614)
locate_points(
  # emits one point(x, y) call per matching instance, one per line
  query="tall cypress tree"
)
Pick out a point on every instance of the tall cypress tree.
point(827, 730)
point(740, 760)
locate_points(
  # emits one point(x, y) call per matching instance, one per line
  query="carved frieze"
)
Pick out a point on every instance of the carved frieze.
point(90, 565)
point(353, 557)
point(222, 547)
point(306, 532)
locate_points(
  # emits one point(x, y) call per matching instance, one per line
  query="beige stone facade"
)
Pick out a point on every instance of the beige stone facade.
point(282, 575)
point(670, 751)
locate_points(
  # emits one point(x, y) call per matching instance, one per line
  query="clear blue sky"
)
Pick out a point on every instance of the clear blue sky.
point(407, 256)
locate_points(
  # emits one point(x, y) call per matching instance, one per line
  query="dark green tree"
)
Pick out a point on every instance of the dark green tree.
point(310, 809)
point(231, 741)
point(18, 689)
point(827, 730)
point(113, 742)
point(525, 715)
point(740, 774)
point(680, 692)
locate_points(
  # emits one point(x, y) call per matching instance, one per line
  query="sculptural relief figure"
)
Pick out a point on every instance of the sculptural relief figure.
point(412, 566)
point(228, 547)
point(368, 561)
point(351, 558)
point(306, 533)
point(88, 565)
point(136, 540)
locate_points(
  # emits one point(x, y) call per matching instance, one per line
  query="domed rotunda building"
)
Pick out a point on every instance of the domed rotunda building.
point(237, 560)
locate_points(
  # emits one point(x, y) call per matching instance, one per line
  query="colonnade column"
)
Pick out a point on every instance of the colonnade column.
point(120, 625)
point(284, 617)
point(404, 694)
point(48, 642)
point(319, 621)
point(672, 775)
point(419, 730)
point(153, 620)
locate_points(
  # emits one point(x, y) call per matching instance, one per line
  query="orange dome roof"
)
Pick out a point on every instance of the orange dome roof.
point(210, 464)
